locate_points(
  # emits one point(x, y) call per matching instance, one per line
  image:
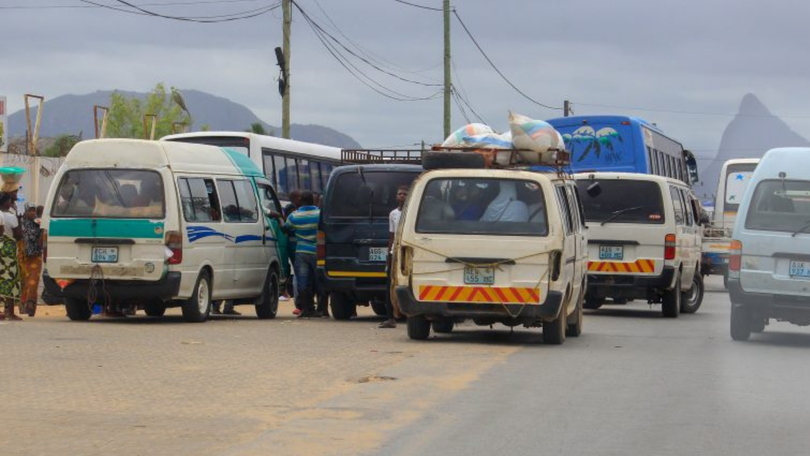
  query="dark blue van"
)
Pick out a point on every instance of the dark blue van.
point(353, 237)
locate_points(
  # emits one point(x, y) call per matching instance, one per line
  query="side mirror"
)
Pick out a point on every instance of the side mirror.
point(704, 219)
point(594, 190)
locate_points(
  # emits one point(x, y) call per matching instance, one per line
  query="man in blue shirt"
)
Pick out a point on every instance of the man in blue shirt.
point(304, 222)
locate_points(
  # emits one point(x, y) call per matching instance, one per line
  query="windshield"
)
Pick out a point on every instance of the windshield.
point(622, 201)
point(737, 178)
point(110, 193)
point(482, 206)
point(779, 206)
point(367, 194)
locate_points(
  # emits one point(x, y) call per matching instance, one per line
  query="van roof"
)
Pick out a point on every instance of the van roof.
point(630, 176)
point(379, 167)
point(139, 153)
point(793, 161)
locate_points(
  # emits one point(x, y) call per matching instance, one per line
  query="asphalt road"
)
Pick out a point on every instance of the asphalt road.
point(633, 383)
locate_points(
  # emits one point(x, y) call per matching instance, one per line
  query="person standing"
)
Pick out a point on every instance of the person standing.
point(289, 208)
point(304, 223)
point(31, 257)
point(9, 267)
point(393, 223)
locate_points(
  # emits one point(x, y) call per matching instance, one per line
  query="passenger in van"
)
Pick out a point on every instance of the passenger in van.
point(128, 194)
point(506, 207)
point(467, 201)
point(434, 208)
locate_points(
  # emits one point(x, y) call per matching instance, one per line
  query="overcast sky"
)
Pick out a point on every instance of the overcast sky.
point(687, 55)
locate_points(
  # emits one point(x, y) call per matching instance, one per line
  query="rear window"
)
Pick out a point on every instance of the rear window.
point(737, 178)
point(780, 206)
point(622, 201)
point(500, 207)
point(367, 194)
point(110, 193)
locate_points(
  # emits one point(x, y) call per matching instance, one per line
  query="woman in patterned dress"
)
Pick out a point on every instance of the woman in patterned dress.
point(30, 257)
point(9, 267)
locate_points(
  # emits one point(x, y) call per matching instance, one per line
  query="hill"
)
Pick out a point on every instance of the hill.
point(73, 114)
point(750, 134)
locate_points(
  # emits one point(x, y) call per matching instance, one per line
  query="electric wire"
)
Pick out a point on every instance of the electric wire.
point(136, 9)
point(173, 3)
point(431, 8)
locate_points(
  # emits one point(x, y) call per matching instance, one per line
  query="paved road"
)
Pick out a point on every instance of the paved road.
point(634, 383)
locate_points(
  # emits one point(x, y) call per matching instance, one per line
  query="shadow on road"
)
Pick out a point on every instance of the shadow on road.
point(780, 339)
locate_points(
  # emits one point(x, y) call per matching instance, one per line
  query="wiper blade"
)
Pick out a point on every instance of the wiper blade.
point(615, 214)
point(801, 230)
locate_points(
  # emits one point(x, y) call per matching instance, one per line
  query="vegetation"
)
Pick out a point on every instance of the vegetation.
point(61, 145)
point(126, 115)
point(258, 128)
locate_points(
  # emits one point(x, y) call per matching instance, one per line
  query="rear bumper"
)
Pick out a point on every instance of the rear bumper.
point(409, 305)
point(118, 290)
point(628, 285)
point(367, 285)
point(787, 307)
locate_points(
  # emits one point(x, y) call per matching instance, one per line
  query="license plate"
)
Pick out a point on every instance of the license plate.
point(377, 254)
point(104, 255)
point(611, 252)
point(479, 276)
point(800, 269)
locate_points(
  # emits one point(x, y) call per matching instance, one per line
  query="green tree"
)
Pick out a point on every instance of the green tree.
point(258, 128)
point(125, 118)
point(61, 145)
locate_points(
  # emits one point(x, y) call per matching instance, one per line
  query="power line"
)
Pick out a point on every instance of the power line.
point(698, 113)
point(431, 8)
point(175, 3)
point(201, 20)
point(463, 93)
point(464, 26)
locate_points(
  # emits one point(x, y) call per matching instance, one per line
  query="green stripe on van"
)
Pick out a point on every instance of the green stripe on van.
point(243, 162)
point(106, 228)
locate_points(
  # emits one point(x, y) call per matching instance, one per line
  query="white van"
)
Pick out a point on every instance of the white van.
point(644, 241)
point(494, 246)
point(161, 224)
point(769, 263)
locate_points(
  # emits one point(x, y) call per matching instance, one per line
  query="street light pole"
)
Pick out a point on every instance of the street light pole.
point(285, 99)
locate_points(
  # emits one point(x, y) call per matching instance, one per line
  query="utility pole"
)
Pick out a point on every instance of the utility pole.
point(566, 108)
point(285, 99)
point(447, 80)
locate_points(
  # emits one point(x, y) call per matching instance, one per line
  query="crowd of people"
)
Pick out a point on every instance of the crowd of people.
point(21, 245)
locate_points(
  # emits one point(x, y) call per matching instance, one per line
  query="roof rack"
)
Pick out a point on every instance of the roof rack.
point(384, 156)
point(516, 158)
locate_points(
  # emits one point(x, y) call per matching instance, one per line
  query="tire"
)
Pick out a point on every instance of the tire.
point(692, 299)
point(443, 325)
point(671, 301)
point(442, 160)
point(574, 329)
point(378, 307)
point(740, 322)
point(758, 324)
point(267, 303)
point(554, 330)
point(154, 308)
point(197, 308)
point(418, 327)
point(77, 309)
point(592, 303)
point(342, 305)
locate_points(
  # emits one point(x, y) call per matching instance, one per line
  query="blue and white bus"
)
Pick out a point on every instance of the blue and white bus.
point(624, 144)
point(287, 163)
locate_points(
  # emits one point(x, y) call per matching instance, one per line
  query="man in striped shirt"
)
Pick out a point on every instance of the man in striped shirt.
point(304, 222)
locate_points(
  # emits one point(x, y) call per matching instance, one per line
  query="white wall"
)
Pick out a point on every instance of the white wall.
point(47, 169)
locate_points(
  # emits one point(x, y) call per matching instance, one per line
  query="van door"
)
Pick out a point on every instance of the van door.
point(579, 238)
point(111, 223)
point(570, 242)
point(684, 241)
point(244, 231)
point(275, 238)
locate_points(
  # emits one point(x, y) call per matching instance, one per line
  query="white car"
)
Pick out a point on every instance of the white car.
point(644, 241)
point(769, 263)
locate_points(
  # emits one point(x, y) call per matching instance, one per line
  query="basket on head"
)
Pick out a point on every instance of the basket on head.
point(11, 177)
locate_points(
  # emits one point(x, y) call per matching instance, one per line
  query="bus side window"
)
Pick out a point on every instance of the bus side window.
point(280, 177)
point(292, 175)
point(315, 175)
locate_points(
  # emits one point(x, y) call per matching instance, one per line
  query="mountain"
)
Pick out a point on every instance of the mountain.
point(74, 114)
point(750, 134)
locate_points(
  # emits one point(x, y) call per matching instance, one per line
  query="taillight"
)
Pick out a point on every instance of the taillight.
point(321, 245)
point(735, 256)
point(670, 241)
point(174, 242)
point(44, 246)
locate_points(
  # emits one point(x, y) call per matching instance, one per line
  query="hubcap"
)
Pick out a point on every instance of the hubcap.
point(202, 296)
point(691, 297)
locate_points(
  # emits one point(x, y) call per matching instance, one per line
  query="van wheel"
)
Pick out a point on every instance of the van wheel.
point(554, 330)
point(593, 303)
point(740, 322)
point(378, 307)
point(267, 303)
point(418, 327)
point(671, 301)
point(77, 309)
point(574, 329)
point(443, 325)
point(154, 308)
point(342, 305)
point(692, 299)
point(758, 324)
point(197, 308)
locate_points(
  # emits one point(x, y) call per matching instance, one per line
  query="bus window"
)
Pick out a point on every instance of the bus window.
point(267, 161)
point(326, 171)
point(315, 173)
point(650, 160)
point(292, 176)
point(303, 174)
point(280, 178)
